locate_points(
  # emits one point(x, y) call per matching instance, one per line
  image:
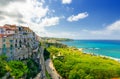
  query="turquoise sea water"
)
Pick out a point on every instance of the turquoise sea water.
point(100, 47)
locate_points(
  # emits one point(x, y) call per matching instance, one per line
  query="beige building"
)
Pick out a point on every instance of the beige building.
point(17, 42)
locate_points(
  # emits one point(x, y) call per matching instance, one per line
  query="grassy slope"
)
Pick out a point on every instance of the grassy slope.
point(73, 64)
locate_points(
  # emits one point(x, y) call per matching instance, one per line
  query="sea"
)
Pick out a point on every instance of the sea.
point(108, 48)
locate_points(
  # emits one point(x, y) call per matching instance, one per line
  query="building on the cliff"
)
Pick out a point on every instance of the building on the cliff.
point(17, 42)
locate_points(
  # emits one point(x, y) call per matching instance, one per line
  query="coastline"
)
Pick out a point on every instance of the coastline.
point(85, 62)
point(116, 59)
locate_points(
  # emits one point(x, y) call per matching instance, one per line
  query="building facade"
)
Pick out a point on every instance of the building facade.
point(17, 42)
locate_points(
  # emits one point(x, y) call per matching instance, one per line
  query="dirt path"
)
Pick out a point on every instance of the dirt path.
point(51, 70)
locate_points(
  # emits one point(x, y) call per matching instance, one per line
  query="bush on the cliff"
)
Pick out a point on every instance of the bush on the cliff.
point(18, 68)
point(2, 65)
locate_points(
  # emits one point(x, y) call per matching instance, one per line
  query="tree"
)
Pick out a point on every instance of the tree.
point(2, 68)
point(46, 54)
point(18, 68)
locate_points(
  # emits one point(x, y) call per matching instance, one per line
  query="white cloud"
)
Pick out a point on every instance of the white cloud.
point(28, 10)
point(71, 35)
point(114, 27)
point(32, 13)
point(77, 17)
point(109, 30)
point(66, 1)
point(50, 21)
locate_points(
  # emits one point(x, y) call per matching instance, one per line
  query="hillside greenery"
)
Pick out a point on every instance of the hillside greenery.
point(57, 39)
point(73, 64)
point(33, 68)
point(17, 68)
point(2, 65)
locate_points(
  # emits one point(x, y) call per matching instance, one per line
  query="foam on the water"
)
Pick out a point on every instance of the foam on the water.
point(109, 48)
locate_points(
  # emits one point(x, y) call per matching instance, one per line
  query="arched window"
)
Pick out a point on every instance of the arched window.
point(11, 47)
point(4, 46)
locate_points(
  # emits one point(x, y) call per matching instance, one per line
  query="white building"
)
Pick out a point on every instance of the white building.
point(17, 42)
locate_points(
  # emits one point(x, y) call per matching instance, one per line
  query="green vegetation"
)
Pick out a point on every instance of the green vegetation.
point(32, 68)
point(18, 69)
point(73, 64)
point(2, 65)
point(47, 75)
point(55, 44)
point(46, 54)
point(50, 42)
point(57, 39)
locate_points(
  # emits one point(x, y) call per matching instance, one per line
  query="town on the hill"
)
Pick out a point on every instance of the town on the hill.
point(17, 42)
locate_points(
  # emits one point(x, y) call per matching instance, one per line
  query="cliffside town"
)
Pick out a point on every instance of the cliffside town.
point(17, 42)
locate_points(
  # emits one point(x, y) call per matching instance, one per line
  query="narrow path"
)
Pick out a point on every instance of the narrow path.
point(51, 70)
point(38, 76)
point(41, 74)
point(42, 64)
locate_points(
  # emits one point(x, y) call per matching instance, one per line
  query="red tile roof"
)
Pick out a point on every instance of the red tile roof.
point(9, 28)
point(5, 35)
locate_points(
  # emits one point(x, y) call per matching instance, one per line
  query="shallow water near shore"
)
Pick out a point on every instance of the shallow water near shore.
point(109, 48)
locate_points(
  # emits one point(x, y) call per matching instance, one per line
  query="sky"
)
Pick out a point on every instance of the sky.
point(76, 19)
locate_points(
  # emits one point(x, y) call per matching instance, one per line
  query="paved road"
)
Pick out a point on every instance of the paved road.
point(51, 70)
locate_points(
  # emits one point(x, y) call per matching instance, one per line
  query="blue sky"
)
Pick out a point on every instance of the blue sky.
point(77, 19)
point(101, 13)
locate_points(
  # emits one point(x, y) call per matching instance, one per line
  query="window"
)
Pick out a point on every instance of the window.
point(11, 46)
point(20, 41)
point(20, 45)
point(16, 40)
point(4, 40)
point(4, 46)
point(15, 45)
point(4, 50)
point(11, 41)
point(2, 31)
point(19, 29)
point(24, 40)
point(8, 31)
